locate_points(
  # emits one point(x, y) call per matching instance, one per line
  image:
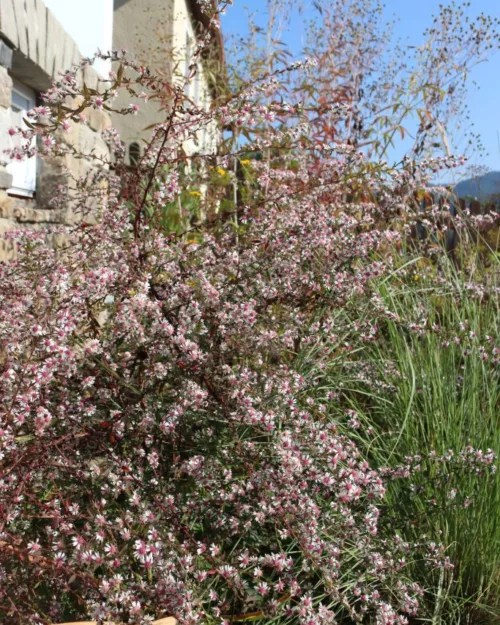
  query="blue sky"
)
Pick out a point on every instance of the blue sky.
point(413, 18)
point(79, 19)
point(88, 23)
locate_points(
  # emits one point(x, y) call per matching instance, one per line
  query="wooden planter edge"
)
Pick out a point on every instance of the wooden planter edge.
point(163, 621)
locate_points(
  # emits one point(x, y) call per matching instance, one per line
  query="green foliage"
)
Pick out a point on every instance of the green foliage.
point(426, 384)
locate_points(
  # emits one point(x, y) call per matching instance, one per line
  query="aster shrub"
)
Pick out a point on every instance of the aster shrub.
point(159, 455)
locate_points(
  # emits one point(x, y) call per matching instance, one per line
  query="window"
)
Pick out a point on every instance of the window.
point(23, 172)
point(204, 122)
point(134, 154)
point(187, 63)
point(196, 95)
point(206, 140)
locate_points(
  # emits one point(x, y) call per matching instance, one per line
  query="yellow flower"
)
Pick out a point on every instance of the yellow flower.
point(416, 277)
point(246, 161)
point(195, 193)
point(221, 172)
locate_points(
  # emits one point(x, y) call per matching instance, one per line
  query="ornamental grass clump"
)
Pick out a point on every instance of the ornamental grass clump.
point(158, 454)
point(427, 385)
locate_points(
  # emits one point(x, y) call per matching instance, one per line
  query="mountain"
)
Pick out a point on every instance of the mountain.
point(480, 187)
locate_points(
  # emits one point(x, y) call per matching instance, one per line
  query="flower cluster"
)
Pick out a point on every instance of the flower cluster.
point(159, 453)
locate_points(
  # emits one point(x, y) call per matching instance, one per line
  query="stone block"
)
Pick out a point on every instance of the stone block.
point(22, 26)
point(5, 88)
point(90, 77)
point(8, 24)
point(5, 205)
point(75, 60)
point(91, 143)
point(7, 248)
point(98, 120)
point(41, 20)
point(51, 164)
point(5, 179)
point(57, 240)
point(32, 28)
point(69, 53)
point(74, 102)
point(48, 187)
point(71, 136)
point(54, 47)
point(24, 213)
point(76, 167)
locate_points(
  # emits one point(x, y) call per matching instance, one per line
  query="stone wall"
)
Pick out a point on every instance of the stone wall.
point(43, 48)
point(34, 49)
point(6, 203)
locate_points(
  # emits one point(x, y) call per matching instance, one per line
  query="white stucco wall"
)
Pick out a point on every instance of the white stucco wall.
point(89, 23)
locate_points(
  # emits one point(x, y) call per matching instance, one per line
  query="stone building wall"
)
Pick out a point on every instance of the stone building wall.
point(144, 29)
point(35, 49)
point(162, 35)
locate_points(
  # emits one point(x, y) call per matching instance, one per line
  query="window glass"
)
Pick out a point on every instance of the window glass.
point(134, 154)
point(187, 63)
point(23, 171)
point(204, 131)
point(196, 95)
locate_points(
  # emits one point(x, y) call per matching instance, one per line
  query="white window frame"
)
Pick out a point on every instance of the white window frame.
point(197, 79)
point(23, 172)
point(187, 60)
point(204, 105)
